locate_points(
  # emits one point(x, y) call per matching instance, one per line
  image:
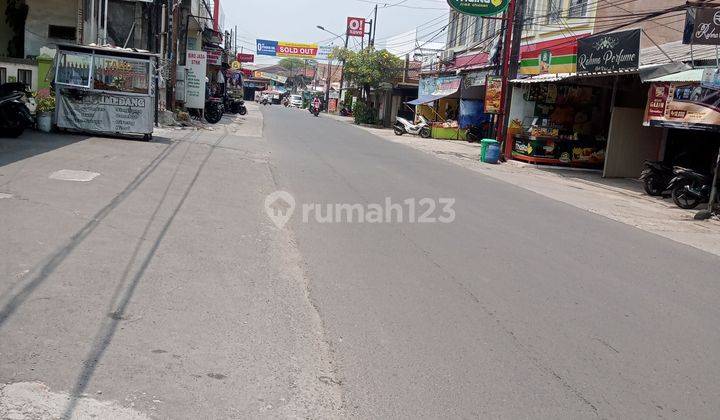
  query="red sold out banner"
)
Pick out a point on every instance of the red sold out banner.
point(355, 26)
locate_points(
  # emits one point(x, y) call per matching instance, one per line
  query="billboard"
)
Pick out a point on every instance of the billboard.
point(286, 49)
point(355, 26)
point(687, 105)
point(706, 27)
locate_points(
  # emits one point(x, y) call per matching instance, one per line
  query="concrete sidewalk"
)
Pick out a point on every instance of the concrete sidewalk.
point(622, 200)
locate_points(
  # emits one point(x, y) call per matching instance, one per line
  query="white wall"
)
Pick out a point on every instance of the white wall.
point(12, 71)
point(43, 13)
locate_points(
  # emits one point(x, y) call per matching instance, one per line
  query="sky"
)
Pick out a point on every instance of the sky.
point(296, 20)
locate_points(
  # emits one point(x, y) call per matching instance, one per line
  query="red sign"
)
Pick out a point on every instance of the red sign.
point(355, 26)
point(246, 58)
point(657, 100)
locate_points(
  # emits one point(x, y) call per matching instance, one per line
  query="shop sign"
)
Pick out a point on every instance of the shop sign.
point(474, 79)
point(286, 49)
point(235, 65)
point(439, 86)
point(245, 58)
point(214, 56)
point(683, 105)
point(447, 85)
point(619, 51)
point(479, 7)
point(707, 27)
point(355, 26)
point(195, 68)
point(493, 94)
point(270, 76)
point(558, 59)
point(105, 112)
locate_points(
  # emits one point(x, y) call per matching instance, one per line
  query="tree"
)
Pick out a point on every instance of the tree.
point(369, 68)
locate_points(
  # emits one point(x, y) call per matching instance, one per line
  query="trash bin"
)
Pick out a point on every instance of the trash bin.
point(492, 154)
point(484, 143)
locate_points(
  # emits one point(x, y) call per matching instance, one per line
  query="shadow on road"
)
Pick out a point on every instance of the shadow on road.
point(33, 143)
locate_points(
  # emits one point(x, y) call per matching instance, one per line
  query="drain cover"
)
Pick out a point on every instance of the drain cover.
point(70, 175)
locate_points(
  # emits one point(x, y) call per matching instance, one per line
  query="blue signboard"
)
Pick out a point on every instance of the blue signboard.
point(265, 47)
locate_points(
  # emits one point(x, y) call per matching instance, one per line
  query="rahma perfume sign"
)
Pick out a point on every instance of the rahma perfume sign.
point(479, 7)
point(619, 51)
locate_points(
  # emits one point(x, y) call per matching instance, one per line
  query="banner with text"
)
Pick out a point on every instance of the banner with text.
point(286, 49)
point(683, 105)
point(196, 68)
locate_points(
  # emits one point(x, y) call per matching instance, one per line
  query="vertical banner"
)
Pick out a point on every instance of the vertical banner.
point(355, 26)
point(493, 93)
point(195, 66)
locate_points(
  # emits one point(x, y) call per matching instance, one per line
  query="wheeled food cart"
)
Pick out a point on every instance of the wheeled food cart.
point(105, 90)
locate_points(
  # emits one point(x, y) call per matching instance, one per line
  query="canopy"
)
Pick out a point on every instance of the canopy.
point(429, 98)
point(694, 75)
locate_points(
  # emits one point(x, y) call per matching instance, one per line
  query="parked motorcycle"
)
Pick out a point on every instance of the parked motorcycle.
point(235, 106)
point(14, 113)
point(214, 110)
point(403, 126)
point(656, 177)
point(346, 112)
point(690, 188)
point(265, 101)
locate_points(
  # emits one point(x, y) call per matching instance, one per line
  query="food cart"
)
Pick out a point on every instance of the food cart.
point(105, 90)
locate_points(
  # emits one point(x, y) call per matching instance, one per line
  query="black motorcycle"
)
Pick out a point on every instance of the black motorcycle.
point(656, 177)
point(214, 110)
point(235, 106)
point(690, 188)
point(14, 114)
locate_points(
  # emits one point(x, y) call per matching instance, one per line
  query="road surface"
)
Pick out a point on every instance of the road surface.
point(163, 288)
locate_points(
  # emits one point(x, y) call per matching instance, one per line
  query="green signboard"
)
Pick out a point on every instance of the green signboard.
point(479, 7)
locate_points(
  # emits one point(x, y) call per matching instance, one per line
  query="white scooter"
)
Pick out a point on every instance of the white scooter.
point(403, 126)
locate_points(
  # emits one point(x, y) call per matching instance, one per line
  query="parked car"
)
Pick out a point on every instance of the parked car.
point(296, 101)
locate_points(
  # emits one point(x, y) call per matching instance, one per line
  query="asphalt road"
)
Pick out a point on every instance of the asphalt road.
point(161, 288)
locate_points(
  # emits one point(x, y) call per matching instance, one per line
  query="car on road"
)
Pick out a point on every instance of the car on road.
point(296, 101)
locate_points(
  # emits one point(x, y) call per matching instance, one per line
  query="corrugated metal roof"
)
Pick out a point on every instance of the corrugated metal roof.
point(677, 51)
point(694, 75)
point(542, 78)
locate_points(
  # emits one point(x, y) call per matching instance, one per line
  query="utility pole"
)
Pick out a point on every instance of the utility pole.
point(327, 85)
point(373, 28)
point(342, 74)
point(173, 50)
point(511, 55)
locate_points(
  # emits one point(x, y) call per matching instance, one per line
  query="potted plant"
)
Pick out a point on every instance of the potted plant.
point(45, 102)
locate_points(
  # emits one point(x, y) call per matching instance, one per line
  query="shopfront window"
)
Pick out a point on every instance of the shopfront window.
point(121, 75)
point(74, 69)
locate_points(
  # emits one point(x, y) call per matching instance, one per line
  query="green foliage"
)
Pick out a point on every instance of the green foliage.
point(292, 63)
point(369, 68)
point(45, 101)
point(364, 114)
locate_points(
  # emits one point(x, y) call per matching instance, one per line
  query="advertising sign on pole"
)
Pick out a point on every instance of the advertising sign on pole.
point(355, 26)
point(683, 105)
point(707, 27)
point(265, 47)
point(493, 93)
point(324, 52)
point(195, 67)
point(245, 58)
point(479, 7)
point(214, 56)
point(619, 51)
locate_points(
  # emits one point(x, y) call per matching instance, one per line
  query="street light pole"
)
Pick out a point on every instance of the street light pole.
point(328, 77)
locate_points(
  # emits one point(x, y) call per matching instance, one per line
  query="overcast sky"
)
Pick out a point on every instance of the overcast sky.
point(296, 20)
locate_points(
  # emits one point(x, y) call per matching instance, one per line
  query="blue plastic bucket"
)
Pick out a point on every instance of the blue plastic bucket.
point(492, 155)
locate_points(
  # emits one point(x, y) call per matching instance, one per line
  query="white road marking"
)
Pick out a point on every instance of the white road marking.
point(76, 176)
